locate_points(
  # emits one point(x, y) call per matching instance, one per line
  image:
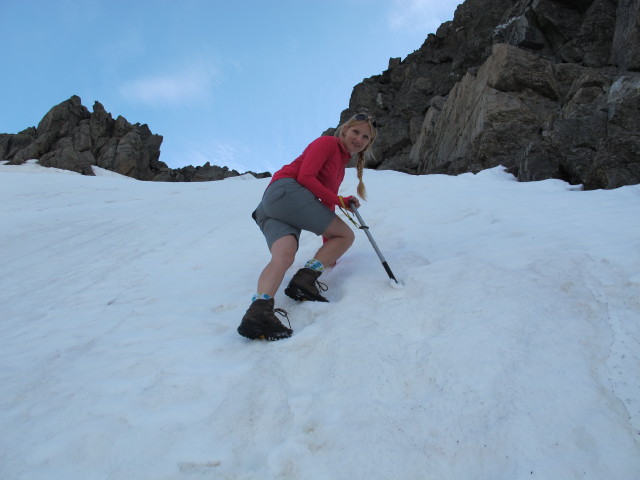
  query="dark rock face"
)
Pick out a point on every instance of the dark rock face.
point(204, 173)
point(547, 88)
point(71, 138)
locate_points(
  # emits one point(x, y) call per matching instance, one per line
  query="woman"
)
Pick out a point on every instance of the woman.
point(303, 196)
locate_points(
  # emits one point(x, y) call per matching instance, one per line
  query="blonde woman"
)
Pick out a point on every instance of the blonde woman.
point(303, 196)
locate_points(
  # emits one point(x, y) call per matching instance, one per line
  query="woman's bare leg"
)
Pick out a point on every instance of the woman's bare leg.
point(283, 253)
point(339, 238)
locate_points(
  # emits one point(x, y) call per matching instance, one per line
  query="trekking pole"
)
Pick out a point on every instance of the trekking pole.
point(373, 243)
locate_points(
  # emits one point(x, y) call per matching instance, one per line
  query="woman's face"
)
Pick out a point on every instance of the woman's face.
point(356, 138)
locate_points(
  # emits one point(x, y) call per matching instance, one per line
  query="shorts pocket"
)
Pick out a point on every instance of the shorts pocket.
point(274, 193)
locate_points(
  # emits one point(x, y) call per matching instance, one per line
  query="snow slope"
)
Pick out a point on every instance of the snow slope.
point(511, 352)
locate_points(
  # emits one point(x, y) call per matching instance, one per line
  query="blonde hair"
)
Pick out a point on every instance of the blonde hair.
point(365, 154)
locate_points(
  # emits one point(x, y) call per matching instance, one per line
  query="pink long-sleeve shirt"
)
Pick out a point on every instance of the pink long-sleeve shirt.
point(320, 169)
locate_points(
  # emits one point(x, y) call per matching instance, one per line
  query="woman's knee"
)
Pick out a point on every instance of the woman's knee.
point(347, 236)
point(339, 229)
point(350, 235)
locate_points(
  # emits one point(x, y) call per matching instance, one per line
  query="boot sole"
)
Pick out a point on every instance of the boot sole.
point(299, 295)
point(257, 334)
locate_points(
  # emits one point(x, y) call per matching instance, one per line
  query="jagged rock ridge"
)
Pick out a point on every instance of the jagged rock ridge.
point(71, 138)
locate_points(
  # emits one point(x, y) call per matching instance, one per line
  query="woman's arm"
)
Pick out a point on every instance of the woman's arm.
point(319, 153)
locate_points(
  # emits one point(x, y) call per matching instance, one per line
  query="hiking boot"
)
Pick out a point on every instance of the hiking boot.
point(305, 286)
point(261, 322)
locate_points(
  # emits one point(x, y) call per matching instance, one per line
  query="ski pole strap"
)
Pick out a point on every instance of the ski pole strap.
point(346, 214)
point(342, 207)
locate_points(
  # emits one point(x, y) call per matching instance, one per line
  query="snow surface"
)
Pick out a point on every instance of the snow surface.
point(511, 352)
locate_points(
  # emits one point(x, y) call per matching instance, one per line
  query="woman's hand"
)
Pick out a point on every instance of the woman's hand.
point(349, 202)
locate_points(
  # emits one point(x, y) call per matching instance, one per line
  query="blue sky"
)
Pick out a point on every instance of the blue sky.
point(245, 84)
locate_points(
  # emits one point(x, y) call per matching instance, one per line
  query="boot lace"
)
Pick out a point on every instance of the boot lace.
point(283, 313)
point(322, 286)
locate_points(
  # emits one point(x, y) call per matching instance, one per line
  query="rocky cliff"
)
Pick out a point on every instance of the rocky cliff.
point(547, 88)
point(71, 138)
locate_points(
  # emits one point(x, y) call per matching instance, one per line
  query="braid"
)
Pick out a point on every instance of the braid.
point(362, 191)
point(366, 153)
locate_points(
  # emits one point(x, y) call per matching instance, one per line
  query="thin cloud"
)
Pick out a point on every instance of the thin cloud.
point(184, 87)
point(420, 16)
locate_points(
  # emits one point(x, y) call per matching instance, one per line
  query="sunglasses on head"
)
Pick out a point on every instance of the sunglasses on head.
point(361, 117)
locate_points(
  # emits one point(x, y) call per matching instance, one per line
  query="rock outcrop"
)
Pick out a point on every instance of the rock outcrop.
point(547, 88)
point(71, 138)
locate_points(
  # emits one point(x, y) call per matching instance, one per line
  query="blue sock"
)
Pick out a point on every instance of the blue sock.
point(314, 264)
point(260, 296)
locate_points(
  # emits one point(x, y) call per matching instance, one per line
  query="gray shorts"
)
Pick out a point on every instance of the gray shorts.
point(287, 208)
